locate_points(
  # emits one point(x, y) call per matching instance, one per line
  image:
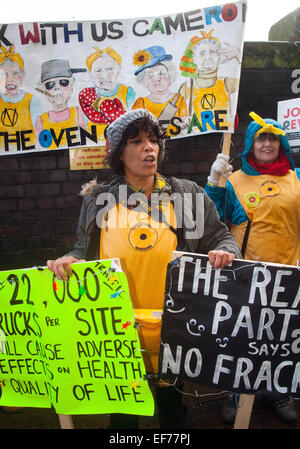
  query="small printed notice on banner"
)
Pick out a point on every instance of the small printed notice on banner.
point(71, 344)
point(87, 158)
point(236, 329)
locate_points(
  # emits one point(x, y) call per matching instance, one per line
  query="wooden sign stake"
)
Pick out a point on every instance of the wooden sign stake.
point(226, 151)
point(66, 421)
point(244, 411)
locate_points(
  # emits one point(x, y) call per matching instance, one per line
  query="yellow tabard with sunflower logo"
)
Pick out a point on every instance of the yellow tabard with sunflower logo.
point(144, 248)
point(272, 203)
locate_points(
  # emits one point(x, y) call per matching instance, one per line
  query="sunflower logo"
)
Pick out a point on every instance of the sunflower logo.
point(252, 199)
point(270, 188)
point(142, 237)
point(141, 58)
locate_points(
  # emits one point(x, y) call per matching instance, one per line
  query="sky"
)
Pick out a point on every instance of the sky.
point(261, 14)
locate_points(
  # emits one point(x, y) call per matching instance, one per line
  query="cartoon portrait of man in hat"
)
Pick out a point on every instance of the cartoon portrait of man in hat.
point(57, 82)
point(156, 72)
point(18, 109)
point(201, 62)
point(107, 99)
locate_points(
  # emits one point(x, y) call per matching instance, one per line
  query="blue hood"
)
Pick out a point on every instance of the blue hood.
point(249, 139)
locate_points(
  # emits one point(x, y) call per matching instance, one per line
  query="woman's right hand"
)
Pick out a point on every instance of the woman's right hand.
point(61, 266)
point(219, 168)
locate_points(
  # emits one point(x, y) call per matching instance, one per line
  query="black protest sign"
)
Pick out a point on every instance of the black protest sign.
point(236, 329)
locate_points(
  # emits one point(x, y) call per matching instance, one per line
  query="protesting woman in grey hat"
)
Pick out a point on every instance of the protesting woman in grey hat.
point(140, 217)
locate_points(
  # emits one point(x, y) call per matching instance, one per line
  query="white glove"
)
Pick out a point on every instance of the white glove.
point(219, 168)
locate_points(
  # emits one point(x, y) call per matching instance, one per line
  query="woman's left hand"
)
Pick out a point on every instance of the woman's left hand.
point(220, 259)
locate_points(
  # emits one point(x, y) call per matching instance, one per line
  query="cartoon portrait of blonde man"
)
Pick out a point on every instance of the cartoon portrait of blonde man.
point(57, 83)
point(208, 90)
point(156, 72)
point(107, 99)
point(18, 109)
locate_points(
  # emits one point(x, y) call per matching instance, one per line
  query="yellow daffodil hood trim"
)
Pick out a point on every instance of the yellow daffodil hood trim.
point(265, 127)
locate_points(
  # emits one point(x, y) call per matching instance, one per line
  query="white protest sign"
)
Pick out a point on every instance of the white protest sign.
point(288, 115)
point(72, 79)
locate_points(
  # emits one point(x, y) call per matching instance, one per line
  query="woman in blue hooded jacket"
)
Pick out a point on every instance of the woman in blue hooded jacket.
point(264, 195)
point(262, 203)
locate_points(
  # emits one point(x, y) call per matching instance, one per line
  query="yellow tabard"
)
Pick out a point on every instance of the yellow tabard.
point(17, 117)
point(211, 98)
point(272, 203)
point(157, 108)
point(59, 126)
point(144, 248)
point(122, 96)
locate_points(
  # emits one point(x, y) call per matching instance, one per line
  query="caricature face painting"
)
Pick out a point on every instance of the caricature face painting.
point(105, 71)
point(157, 79)
point(206, 55)
point(59, 91)
point(11, 78)
point(183, 67)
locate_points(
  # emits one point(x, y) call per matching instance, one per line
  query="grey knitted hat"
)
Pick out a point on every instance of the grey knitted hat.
point(116, 129)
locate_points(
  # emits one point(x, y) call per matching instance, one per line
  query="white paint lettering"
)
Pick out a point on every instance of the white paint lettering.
point(244, 314)
point(243, 373)
point(279, 289)
point(261, 285)
point(287, 315)
point(218, 317)
point(264, 375)
point(169, 361)
point(198, 274)
point(187, 362)
point(183, 261)
point(217, 280)
point(266, 320)
point(221, 369)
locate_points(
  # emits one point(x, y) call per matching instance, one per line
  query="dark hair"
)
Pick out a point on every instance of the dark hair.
point(133, 130)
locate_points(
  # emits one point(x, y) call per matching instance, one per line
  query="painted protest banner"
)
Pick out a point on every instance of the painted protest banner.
point(236, 329)
point(71, 344)
point(61, 84)
point(288, 115)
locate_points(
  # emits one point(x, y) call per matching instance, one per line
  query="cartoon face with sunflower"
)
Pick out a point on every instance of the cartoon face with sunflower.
point(155, 71)
point(157, 79)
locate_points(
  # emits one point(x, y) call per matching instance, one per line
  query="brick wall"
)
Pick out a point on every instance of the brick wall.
point(39, 195)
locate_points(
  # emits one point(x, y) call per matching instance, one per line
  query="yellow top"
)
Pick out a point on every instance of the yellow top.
point(144, 248)
point(59, 126)
point(17, 117)
point(269, 202)
point(157, 108)
point(211, 98)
